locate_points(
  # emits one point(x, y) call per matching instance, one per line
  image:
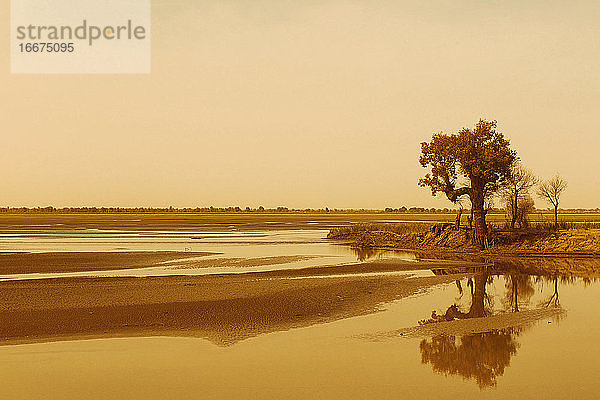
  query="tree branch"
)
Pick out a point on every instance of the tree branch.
point(454, 194)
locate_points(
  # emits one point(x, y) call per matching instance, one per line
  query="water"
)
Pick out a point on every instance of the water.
point(550, 353)
point(540, 360)
point(226, 244)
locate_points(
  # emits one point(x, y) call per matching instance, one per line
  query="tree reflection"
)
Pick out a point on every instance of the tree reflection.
point(519, 288)
point(478, 301)
point(481, 356)
point(553, 301)
point(366, 253)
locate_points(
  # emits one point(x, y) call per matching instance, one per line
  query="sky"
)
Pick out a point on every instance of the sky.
point(307, 104)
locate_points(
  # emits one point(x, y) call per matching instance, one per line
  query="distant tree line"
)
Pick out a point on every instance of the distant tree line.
point(133, 210)
point(192, 210)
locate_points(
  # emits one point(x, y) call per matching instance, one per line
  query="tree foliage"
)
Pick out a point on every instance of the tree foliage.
point(481, 155)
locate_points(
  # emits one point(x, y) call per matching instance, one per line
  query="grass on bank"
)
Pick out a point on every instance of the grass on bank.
point(501, 232)
point(397, 228)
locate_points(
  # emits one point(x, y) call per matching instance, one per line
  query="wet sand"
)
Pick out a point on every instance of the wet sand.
point(26, 263)
point(241, 262)
point(473, 325)
point(222, 308)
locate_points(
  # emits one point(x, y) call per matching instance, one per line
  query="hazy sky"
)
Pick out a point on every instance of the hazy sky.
point(307, 104)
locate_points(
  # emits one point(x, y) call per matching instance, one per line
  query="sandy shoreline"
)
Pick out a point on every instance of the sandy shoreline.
point(473, 325)
point(222, 308)
point(241, 262)
point(27, 263)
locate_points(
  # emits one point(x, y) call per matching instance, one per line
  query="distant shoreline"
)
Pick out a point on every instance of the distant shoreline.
point(270, 211)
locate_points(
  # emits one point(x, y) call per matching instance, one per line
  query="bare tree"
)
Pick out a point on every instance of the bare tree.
point(459, 212)
point(551, 190)
point(516, 189)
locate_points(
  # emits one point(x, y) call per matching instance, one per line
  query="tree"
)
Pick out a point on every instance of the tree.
point(551, 190)
point(525, 208)
point(517, 213)
point(516, 190)
point(480, 156)
point(459, 214)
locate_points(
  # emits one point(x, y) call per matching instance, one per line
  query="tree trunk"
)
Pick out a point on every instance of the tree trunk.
point(477, 308)
point(480, 231)
point(458, 215)
point(515, 293)
point(515, 209)
point(556, 216)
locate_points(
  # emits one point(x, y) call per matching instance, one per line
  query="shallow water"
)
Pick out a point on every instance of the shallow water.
point(545, 359)
point(359, 357)
point(227, 244)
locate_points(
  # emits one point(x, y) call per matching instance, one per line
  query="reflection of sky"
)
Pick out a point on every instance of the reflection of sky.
point(229, 244)
point(149, 240)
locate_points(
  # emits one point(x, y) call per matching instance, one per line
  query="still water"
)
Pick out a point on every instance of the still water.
point(228, 244)
point(390, 354)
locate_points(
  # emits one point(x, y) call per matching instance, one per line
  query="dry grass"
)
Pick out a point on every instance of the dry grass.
point(397, 228)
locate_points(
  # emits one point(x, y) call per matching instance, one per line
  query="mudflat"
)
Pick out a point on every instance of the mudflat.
point(42, 223)
point(221, 308)
point(27, 263)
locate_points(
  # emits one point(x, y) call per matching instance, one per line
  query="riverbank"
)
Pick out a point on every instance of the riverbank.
point(446, 242)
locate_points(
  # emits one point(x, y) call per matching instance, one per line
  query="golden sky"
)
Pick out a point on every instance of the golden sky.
point(307, 104)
